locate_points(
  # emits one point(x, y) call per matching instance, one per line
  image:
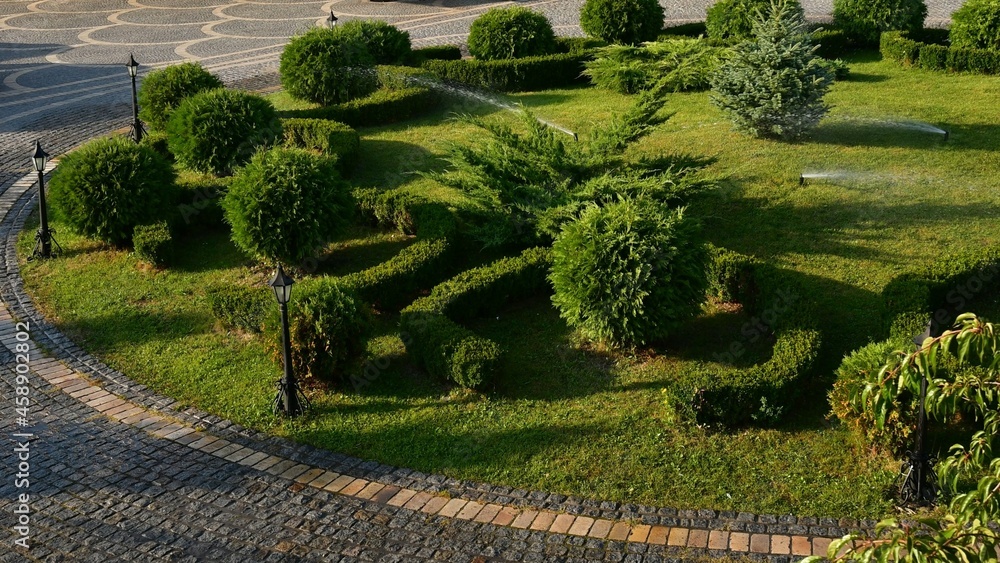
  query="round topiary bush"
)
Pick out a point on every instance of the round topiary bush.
point(326, 324)
point(285, 204)
point(109, 186)
point(865, 20)
point(387, 44)
point(511, 33)
point(630, 272)
point(733, 19)
point(976, 25)
point(162, 90)
point(623, 22)
point(326, 66)
point(218, 130)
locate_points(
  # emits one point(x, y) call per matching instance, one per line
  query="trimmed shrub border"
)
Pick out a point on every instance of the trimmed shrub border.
point(434, 338)
point(380, 108)
point(761, 393)
point(899, 47)
point(514, 75)
point(328, 137)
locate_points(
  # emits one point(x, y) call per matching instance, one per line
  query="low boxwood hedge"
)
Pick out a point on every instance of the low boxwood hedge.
point(382, 107)
point(328, 137)
point(239, 306)
point(710, 394)
point(927, 52)
point(514, 75)
point(430, 329)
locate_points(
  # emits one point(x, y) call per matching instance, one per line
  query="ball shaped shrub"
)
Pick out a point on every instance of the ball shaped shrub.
point(511, 33)
point(623, 22)
point(733, 19)
point(326, 324)
point(630, 272)
point(218, 130)
point(285, 204)
point(387, 44)
point(162, 90)
point(976, 25)
point(865, 20)
point(327, 67)
point(109, 186)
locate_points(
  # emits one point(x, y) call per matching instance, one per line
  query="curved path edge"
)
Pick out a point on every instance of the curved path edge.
point(62, 364)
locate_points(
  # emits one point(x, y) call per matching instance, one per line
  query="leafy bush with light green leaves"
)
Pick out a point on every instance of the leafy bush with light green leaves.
point(965, 531)
point(285, 204)
point(387, 44)
point(976, 25)
point(162, 90)
point(219, 130)
point(511, 33)
point(327, 67)
point(773, 86)
point(108, 187)
point(865, 20)
point(630, 272)
point(684, 64)
point(622, 22)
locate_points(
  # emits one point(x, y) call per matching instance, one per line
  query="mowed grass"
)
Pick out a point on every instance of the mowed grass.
point(566, 417)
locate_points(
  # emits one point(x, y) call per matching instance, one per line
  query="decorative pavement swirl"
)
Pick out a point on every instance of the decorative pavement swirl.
point(116, 472)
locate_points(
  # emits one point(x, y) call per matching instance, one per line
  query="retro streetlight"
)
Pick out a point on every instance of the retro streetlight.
point(43, 238)
point(290, 398)
point(918, 474)
point(137, 131)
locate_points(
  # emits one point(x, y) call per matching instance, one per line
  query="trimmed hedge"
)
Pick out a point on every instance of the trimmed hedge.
point(898, 46)
point(514, 75)
point(382, 107)
point(153, 243)
point(331, 138)
point(437, 52)
point(451, 352)
point(239, 306)
point(764, 392)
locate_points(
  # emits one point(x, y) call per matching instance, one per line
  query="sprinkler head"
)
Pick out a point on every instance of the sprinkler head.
point(946, 134)
point(802, 180)
point(577, 137)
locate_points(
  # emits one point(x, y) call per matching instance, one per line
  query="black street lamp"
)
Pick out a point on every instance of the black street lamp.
point(331, 21)
point(290, 397)
point(137, 130)
point(43, 238)
point(918, 474)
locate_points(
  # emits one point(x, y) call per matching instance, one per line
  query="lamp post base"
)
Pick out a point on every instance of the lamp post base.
point(290, 400)
point(136, 131)
point(43, 244)
point(919, 481)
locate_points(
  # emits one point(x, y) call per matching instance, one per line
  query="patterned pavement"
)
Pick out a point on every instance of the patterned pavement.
point(116, 489)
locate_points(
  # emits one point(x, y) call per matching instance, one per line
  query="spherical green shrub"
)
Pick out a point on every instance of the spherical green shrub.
point(624, 22)
point(387, 44)
point(109, 186)
point(733, 19)
point(630, 272)
point(976, 25)
point(326, 324)
point(285, 204)
point(162, 90)
point(865, 20)
point(511, 33)
point(327, 67)
point(218, 130)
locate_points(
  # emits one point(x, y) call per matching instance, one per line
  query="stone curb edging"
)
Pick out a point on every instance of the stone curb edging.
point(124, 401)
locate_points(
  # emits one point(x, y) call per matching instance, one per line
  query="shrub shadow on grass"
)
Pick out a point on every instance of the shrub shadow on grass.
point(873, 133)
point(389, 164)
point(121, 327)
point(361, 249)
point(207, 251)
point(445, 450)
point(866, 78)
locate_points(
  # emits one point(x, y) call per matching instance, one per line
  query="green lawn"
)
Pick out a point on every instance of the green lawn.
point(566, 417)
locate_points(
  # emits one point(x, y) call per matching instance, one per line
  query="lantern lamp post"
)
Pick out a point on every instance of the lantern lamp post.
point(918, 475)
point(137, 131)
point(43, 237)
point(290, 400)
point(331, 21)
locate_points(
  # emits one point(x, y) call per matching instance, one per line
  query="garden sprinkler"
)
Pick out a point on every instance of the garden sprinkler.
point(577, 137)
point(946, 134)
point(802, 179)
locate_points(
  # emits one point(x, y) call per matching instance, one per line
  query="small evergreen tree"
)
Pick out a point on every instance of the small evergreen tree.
point(773, 85)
